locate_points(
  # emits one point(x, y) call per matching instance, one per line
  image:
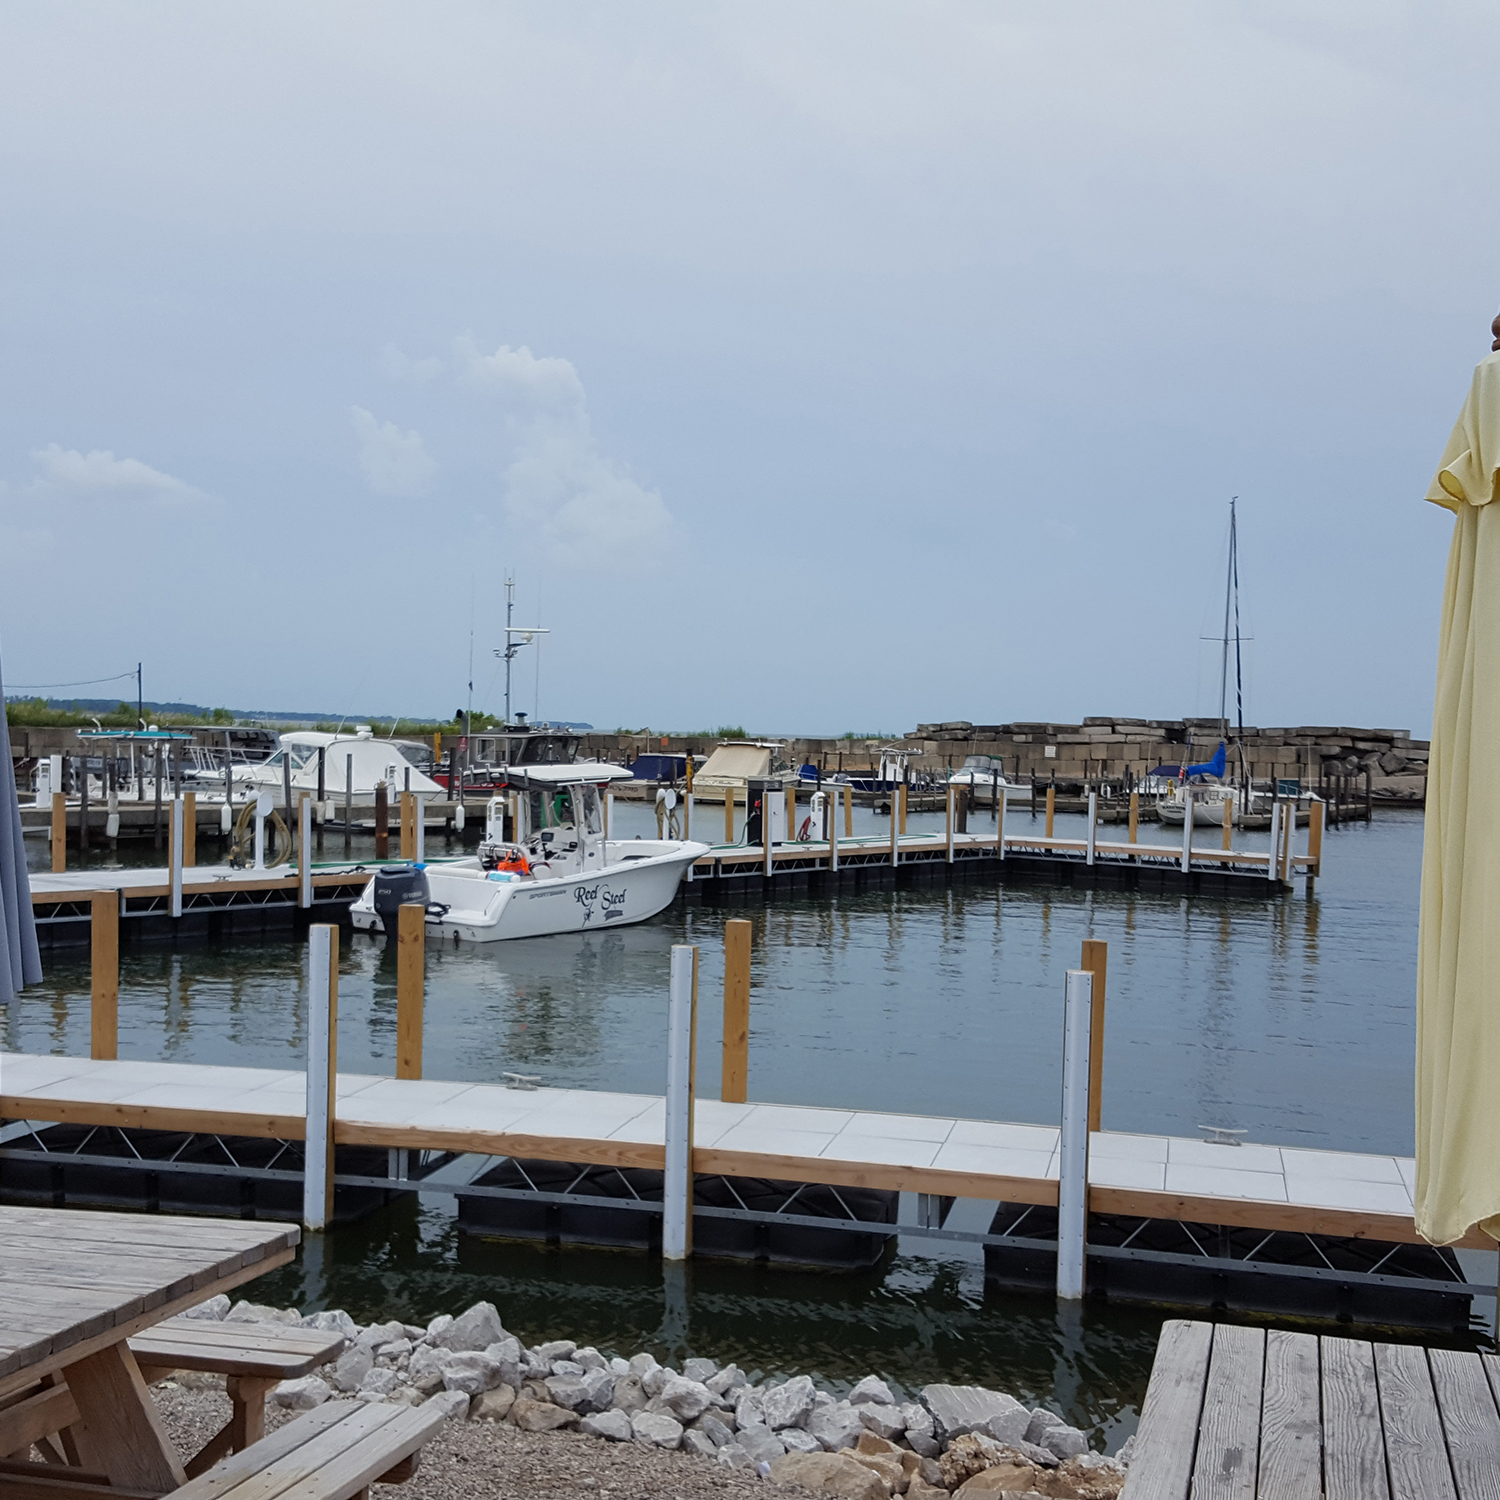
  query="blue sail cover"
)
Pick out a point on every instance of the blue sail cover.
point(1214, 767)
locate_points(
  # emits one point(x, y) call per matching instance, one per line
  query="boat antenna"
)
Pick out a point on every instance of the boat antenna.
point(1234, 575)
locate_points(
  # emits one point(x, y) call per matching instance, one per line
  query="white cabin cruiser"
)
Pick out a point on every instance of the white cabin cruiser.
point(983, 775)
point(359, 761)
point(546, 866)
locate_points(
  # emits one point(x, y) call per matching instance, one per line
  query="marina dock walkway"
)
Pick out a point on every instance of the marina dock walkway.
point(1268, 1187)
point(1246, 1412)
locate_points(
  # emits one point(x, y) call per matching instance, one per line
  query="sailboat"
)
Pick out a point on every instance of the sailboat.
point(1206, 782)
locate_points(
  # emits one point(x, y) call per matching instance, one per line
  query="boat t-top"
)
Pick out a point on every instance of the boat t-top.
point(546, 865)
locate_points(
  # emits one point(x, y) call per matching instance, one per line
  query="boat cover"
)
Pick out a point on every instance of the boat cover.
point(734, 763)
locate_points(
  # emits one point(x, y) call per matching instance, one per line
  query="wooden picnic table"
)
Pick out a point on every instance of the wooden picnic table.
point(1235, 1413)
point(74, 1287)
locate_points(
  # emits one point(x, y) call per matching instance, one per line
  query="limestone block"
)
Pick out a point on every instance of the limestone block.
point(656, 1429)
point(829, 1474)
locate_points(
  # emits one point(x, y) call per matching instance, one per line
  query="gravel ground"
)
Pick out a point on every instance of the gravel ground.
point(494, 1461)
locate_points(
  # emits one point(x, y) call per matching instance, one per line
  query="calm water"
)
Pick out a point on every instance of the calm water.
point(1291, 1018)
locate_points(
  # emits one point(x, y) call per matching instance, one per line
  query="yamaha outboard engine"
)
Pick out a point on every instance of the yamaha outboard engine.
point(395, 887)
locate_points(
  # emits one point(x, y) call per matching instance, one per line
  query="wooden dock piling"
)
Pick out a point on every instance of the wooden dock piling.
point(729, 813)
point(382, 821)
point(1135, 815)
point(1095, 959)
point(190, 829)
point(411, 975)
point(408, 826)
point(735, 1081)
point(1228, 818)
point(1051, 808)
point(104, 974)
point(1314, 842)
point(59, 832)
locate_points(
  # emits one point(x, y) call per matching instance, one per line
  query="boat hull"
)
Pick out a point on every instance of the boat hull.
point(629, 890)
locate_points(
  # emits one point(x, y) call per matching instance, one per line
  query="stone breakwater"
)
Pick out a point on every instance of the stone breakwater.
point(867, 1445)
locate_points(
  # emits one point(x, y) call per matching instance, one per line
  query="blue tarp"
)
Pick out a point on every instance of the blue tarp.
point(659, 767)
point(1214, 767)
point(20, 958)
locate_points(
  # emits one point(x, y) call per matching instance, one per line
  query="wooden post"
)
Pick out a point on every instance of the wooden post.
point(1051, 808)
point(1228, 819)
point(1314, 842)
point(729, 814)
point(682, 1038)
point(791, 814)
point(190, 829)
point(411, 940)
point(1135, 814)
point(847, 795)
point(901, 793)
point(104, 975)
point(382, 821)
point(1073, 1148)
point(1096, 960)
point(735, 1080)
point(59, 832)
point(322, 1071)
point(408, 827)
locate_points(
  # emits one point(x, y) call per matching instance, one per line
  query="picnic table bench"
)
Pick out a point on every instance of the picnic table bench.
point(87, 1299)
point(1237, 1413)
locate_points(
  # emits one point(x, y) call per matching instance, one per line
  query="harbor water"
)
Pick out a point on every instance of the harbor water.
point(1290, 1018)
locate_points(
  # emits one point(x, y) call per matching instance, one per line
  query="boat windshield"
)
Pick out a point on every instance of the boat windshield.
point(593, 817)
point(419, 755)
point(300, 754)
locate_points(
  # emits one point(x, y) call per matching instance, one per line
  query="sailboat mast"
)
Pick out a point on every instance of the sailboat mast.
point(1224, 638)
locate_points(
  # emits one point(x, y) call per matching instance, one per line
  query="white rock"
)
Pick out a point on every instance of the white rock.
point(303, 1394)
point(919, 1429)
point(566, 1367)
point(652, 1427)
point(730, 1378)
point(628, 1394)
point(750, 1407)
point(883, 1421)
point(405, 1395)
point(694, 1441)
point(473, 1330)
point(471, 1372)
point(589, 1359)
point(1065, 1441)
point(255, 1312)
point(872, 1388)
point(701, 1370)
point(1126, 1453)
point(380, 1333)
point(789, 1404)
point(415, 1334)
point(619, 1366)
point(642, 1364)
point(957, 1409)
point(397, 1349)
point(508, 1355)
point(556, 1349)
point(1097, 1463)
point(351, 1367)
point(763, 1445)
point(614, 1425)
point(735, 1456)
point(438, 1324)
point(454, 1405)
point(836, 1426)
point(425, 1371)
point(795, 1440)
point(379, 1382)
point(716, 1431)
point(215, 1308)
point(653, 1380)
point(685, 1399)
point(582, 1393)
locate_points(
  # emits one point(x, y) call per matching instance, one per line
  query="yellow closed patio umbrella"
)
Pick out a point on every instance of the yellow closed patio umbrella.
point(1458, 953)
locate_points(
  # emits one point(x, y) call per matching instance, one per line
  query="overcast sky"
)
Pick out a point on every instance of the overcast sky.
point(816, 368)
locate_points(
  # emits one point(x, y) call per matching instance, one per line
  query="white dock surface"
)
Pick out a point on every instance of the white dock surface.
point(1318, 1181)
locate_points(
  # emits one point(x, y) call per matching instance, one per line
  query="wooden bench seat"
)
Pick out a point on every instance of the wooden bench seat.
point(253, 1358)
point(334, 1452)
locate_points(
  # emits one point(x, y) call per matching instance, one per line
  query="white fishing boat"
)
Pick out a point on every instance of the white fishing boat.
point(546, 866)
point(983, 775)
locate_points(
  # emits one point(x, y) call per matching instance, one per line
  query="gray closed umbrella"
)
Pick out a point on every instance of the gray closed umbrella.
point(20, 958)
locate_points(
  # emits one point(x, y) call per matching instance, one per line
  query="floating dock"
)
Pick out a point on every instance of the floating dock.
point(1325, 1233)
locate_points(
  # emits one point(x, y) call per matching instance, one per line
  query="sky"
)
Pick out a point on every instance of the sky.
point(817, 369)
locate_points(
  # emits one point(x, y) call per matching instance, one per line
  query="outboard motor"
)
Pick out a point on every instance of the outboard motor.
point(395, 887)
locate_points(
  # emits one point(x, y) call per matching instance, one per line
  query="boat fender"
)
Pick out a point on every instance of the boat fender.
point(458, 817)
